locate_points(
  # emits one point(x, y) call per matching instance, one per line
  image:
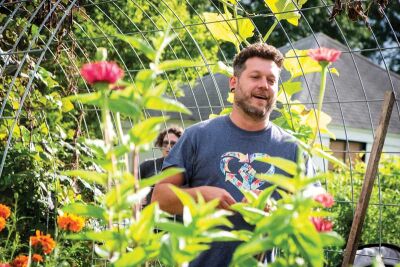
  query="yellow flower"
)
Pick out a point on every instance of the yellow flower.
point(71, 222)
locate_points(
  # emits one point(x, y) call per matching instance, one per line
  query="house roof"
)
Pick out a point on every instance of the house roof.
point(352, 99)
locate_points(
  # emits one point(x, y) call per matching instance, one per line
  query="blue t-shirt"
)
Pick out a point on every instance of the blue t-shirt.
point(218, 153)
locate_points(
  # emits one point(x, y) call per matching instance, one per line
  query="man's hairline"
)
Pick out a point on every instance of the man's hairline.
point(244, 66)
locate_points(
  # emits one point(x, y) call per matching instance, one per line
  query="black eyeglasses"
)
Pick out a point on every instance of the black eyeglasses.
point(165, 143)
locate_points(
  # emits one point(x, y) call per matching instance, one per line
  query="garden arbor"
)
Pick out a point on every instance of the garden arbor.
point(44, 44)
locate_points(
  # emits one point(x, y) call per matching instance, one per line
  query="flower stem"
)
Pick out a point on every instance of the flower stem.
point(324, 71)
point(107, 139)
point(266, 36)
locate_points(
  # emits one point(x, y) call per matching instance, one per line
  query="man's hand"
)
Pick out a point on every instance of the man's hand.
point(211, 192)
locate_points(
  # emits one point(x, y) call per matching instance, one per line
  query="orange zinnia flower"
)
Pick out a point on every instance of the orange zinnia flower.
point(20, 261)
point(45, 241)
point(37, 258)
point(4, 211)
point(2, 223)
point(71, 222)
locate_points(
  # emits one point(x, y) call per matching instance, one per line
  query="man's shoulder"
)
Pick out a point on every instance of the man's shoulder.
point(207, 124)
point(279, 134)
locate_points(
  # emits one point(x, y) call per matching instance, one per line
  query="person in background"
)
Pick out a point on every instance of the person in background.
point(219, 155)
point(165, 141)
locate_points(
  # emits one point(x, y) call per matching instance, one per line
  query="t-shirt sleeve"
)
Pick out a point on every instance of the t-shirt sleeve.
point(181, 155)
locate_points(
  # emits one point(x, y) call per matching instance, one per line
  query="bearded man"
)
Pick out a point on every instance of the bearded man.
point(219, 155)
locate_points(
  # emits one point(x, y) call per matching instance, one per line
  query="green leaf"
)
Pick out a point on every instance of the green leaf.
point(158, 90)
point(290, 88)
point(46, 77)
point(144, 228)
point(309, 245)
point(90, 176)
point(207, 223)
point(87, 210)
point(117, 102)
point(160, 176)
point(224, 27)
point(284, 164)
point(66, 105)
point(146, 131)
point(139, 44)
point(251, 215)
point(286, 10)
point(144, 80)
point(134, 258)
point(279, 180)
point(169, 65)
point(89, 98)
point(105, 235)
point(331, 239)
point(252, 247)
point(186, 199)
point(124, 105)
point(165, 104)
point(263, 197)
point(175, 228)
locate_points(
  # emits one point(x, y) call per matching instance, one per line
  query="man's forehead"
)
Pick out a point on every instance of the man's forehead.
point(268, 70)
point(256, 63)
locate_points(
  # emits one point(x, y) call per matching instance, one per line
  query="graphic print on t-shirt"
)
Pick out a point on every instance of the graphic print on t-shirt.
point(244, 176)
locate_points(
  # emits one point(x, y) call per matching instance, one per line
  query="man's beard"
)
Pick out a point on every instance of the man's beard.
point(255, 112)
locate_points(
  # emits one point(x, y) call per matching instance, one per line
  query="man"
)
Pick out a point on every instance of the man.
point(219, 155)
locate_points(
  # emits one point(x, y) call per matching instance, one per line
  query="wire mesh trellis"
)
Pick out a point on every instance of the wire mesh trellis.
point(61, 36)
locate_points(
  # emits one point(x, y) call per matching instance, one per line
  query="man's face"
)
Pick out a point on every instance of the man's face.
point(256, 88)
point(169, 141)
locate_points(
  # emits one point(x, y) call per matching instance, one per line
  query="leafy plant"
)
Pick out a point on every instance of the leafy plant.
point(128, 236)
point(293, 225)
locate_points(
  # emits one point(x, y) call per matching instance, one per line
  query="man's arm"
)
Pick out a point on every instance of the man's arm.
point(169, 202)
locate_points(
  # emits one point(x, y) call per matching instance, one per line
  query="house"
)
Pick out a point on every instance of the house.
point(353, 99)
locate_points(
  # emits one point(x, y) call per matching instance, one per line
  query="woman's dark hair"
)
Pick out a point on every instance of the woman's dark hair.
point(177, 131)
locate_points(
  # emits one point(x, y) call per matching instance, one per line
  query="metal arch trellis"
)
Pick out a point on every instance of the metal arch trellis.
point(207, 63)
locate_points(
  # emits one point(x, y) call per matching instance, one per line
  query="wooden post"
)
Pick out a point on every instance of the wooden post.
point(370, 174)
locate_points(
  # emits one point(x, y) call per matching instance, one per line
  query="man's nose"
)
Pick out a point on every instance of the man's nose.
point(263, 84)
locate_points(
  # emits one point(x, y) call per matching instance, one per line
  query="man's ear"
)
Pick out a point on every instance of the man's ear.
point(232, 83)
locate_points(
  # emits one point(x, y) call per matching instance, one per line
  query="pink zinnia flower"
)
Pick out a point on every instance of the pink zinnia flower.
point(5, 265)
point(324, 54)
point(325, 199)
point(103, 71)
point(321, 224)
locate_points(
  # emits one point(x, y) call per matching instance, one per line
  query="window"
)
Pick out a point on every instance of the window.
point(356, 151)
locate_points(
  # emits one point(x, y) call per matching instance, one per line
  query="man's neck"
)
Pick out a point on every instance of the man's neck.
point(245, 122)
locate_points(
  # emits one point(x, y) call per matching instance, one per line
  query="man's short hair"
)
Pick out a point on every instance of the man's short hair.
point(177, 131)
point(261, 50)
